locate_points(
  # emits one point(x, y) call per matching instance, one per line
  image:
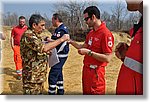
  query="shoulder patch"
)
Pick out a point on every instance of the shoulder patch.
point(110, 44)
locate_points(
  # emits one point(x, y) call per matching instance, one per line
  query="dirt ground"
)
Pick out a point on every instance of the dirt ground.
point(72, 70)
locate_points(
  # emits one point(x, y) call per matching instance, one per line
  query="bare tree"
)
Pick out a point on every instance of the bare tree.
point(132, 19)
point(47, 19)
point(72, 13)
point(120, 12)
point(10, 19)
point(106, 17)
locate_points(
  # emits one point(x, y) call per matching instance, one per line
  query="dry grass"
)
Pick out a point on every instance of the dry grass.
point(72, 70)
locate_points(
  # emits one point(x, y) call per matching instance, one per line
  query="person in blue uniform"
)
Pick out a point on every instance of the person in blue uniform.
point(55, 78)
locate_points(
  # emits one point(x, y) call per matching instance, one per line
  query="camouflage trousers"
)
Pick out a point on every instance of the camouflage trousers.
point(33, 88)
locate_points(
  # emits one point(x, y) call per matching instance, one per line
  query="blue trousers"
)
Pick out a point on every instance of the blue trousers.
point(55, 78)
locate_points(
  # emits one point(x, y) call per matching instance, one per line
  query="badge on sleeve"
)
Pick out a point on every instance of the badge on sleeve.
point(110, 44)
point(58, 34)
point(109, 38)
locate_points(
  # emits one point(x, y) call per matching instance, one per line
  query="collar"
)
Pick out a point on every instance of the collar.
point(100, 27)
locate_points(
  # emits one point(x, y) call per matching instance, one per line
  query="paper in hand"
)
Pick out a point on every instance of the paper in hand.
point(53, 58)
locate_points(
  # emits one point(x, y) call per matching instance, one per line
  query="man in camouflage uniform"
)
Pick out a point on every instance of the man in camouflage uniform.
point(34, 55)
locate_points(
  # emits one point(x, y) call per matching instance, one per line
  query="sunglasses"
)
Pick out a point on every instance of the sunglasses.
point(86, 19)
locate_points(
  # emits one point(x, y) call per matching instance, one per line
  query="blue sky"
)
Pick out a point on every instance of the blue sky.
point(29, 7)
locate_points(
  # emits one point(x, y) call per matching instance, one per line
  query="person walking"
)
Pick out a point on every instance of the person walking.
point(16, 34)
point(97, 51)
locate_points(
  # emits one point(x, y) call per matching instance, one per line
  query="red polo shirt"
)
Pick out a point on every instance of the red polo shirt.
point(17, 32)
point(100, 41)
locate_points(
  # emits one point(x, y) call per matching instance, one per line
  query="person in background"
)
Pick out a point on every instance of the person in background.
point(34, 53)
point(55, 78)
point(16, 34)
point(130, 78)
point(97, 51)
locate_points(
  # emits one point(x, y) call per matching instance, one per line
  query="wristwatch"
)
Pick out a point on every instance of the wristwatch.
point(90, 53)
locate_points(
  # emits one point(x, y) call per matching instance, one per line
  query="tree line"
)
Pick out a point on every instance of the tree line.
point(72, 13)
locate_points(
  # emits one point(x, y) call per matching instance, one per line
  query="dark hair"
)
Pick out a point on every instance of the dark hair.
point(57, 16)
point(22, 17)
point(92, 10)
point(35, 18)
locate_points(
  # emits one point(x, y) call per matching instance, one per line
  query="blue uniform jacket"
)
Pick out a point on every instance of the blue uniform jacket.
point(59, 32)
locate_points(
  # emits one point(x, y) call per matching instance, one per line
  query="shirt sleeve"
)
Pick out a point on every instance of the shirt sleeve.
point(34, 43)
point(62, 32)
point(107, 43)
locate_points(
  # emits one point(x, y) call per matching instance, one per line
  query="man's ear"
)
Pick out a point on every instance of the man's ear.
point(34, 25)
point(93, 17)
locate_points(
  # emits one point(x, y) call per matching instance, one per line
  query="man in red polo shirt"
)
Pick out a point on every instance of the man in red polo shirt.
point(16, 34)
point(97, 50)
point(130, 79)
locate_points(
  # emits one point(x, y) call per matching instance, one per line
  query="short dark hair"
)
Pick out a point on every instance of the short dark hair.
point(22, 17)
point(57, 16)
point(35, 18)
point(92, 10)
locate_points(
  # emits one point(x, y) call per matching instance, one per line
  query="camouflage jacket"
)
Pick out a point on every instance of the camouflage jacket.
point(34, 61)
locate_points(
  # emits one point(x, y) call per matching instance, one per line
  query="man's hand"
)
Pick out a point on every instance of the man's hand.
point(120, 50)
point(49, 52)
point(83, 51)
point(70, 41)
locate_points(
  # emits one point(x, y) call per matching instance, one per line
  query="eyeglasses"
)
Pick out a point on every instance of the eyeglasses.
point(86, 19)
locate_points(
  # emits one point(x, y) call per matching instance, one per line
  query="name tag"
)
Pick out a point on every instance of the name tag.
point(90, 42)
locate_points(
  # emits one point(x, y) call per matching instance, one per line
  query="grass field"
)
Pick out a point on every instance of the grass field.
point(72, 69)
